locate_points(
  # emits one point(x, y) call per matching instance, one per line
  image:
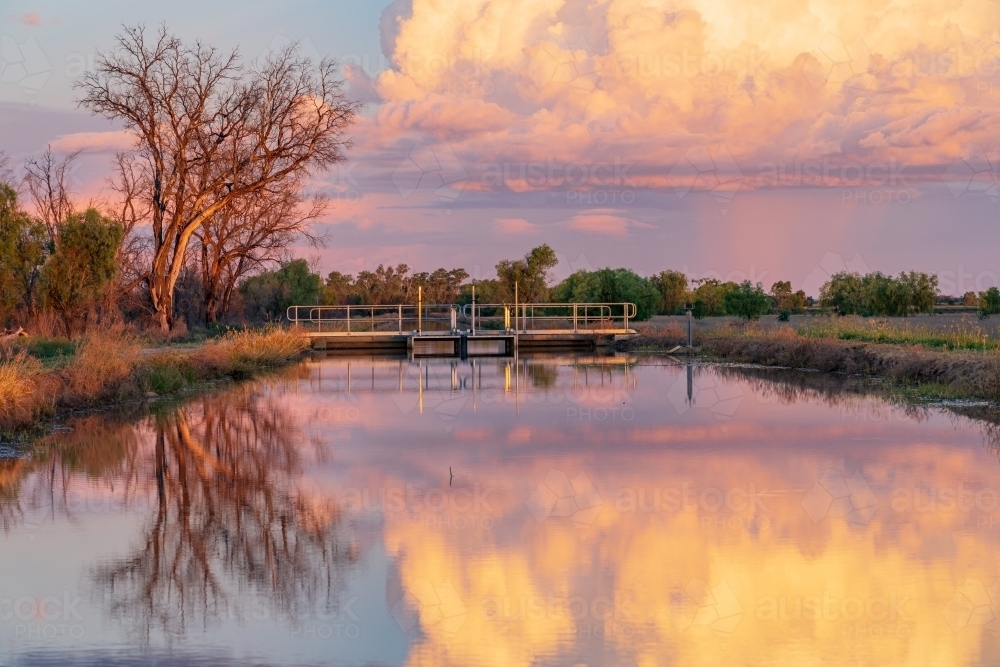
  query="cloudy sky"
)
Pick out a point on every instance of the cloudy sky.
point(772, 139)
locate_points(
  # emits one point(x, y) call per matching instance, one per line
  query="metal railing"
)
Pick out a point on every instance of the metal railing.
point(477, 318)
point(525, 317)
point(387, 319)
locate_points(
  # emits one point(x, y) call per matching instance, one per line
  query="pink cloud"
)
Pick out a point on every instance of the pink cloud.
point(514, 226)
point(96, 142)
point(31, 18)
point(444, 117)
point(599, 223)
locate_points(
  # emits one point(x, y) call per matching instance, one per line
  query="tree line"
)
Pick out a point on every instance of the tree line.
point(529, 281)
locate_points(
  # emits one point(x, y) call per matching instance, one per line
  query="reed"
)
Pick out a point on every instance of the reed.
point(110, 366)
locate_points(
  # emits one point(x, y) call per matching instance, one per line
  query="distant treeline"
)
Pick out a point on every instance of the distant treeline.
point(268, 294)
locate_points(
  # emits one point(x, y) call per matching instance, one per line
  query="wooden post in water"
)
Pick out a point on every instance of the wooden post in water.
point(690, 337)
point(420, 313)
point(473, 309)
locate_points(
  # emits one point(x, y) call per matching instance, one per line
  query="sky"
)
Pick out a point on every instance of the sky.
point(766, 140)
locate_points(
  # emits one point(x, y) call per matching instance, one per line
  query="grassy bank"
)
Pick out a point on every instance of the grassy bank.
point(111, 367)
point(957, 364)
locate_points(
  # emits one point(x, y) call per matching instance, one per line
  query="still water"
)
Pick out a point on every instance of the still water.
point(561, 511)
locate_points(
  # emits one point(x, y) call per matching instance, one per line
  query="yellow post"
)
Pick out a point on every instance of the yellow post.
point(420, 304)
point(515, 305)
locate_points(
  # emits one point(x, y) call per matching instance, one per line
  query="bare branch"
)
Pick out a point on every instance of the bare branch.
point(212, 131)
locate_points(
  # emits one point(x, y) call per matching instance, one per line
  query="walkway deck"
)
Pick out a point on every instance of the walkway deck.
point(472, 330)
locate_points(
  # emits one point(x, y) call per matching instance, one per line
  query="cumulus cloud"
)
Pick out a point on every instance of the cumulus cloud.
point(601, 222)
point(96, 142)
point(644, 81)
point(514, 226)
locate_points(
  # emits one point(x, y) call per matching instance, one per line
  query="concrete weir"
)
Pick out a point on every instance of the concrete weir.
point(471, 330)
point(463, 344)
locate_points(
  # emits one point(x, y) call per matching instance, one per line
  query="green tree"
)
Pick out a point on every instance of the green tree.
point(989, 302)
point(531, 275)
point(609, 286)
point(23, 249)
point(709, 297)
point(843, 293)
point(787, 301)
point(747, 300)
point(922, 289)
point(269, 294)
point(879, 294)
point(673, 289)
point(339, 289)
point(84, 263)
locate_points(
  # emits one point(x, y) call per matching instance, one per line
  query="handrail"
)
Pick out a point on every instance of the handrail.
point(407, 318)
point(578, 313)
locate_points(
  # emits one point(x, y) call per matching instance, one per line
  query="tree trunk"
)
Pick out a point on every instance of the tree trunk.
point(211, 306)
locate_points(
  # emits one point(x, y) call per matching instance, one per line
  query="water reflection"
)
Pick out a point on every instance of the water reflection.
point(230, 524)
point(597, 511)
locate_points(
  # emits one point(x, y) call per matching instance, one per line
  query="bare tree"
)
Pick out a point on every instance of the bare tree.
point(210, 131)
point(6, 175)
point(248, 235)
point(47, 179)
point(129, 209)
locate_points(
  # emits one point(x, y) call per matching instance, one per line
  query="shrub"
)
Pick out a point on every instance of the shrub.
point(269, 294)
point(50, 348)
point(84, 264)
point(989, 302)
point(748, 301)
point(170, 373)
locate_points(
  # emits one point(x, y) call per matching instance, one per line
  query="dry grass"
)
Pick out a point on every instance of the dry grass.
point(928, 369)
point(956, 336)
point(104, 362)
point(109, 366)
point(18, 384)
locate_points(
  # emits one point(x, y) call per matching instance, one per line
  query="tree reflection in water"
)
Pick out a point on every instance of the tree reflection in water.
point(232, 534)
point(231, 525)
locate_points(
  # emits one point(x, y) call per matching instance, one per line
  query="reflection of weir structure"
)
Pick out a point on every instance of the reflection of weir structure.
point(470, 330)
point(444, 385)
